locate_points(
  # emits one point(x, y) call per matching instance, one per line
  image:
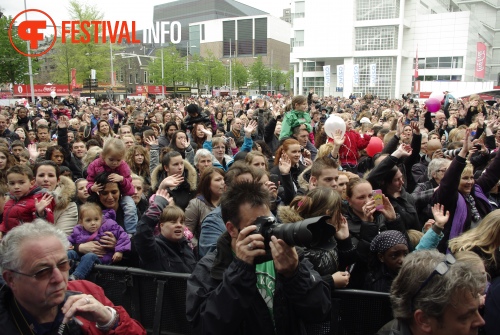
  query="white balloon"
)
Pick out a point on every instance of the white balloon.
point(437, 95)
point(333, 123)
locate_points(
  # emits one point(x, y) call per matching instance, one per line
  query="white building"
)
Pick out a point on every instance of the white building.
point(387, 33)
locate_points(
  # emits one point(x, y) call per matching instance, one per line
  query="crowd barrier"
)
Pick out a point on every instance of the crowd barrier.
point(158, 301)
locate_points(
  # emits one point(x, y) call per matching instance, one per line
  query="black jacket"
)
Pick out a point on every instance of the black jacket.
point(73, 163)
point(222, 297)
point(158, 253)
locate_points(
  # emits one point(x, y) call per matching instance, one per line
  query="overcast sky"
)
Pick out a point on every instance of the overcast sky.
point(120, 10)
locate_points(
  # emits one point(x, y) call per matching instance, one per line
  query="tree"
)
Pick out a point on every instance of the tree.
point(259, 73)
point(82, 57)
point(13, 65)
point(173, 69)
point(279, 79)
point(214, 70)
point(196, 72)
point(240, 74)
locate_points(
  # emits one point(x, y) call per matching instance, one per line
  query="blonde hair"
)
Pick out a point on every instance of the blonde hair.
point(485, 237)
point(91, 155)
point(415, 236)
point(113, 146)
point(87, 207)
point(324, 150)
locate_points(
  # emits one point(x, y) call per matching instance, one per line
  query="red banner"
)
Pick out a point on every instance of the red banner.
point(73, 79)
point(151, 89)
point(480, 60)
point(41, 90)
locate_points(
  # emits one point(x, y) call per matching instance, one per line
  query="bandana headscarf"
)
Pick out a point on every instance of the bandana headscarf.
point(386, 240)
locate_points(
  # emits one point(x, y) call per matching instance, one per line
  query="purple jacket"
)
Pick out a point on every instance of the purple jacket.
point(80, 235)
point(123, 170)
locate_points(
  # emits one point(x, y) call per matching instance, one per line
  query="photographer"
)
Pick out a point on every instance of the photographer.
point(229, 294)
point(195, 115)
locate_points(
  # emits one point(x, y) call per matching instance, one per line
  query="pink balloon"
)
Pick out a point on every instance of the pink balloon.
point(375, 146)
point(433, 105)
point(437, 95)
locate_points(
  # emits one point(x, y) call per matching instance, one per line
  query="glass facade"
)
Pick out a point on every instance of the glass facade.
point(261, 36)
point(386, 76)
point(376, 38)
point(313, 82)
point(194, 39)
point(441, 63)
point(245, 39)
point(228, 34)
point(377, 9)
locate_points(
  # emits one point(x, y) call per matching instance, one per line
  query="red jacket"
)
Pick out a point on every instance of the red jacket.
point(353, 142)
point(19, 211)
point(127, 325)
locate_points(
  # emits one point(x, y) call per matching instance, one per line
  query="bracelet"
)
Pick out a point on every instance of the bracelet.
point(106, 327)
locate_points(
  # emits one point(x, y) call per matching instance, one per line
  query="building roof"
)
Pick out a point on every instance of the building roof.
point(203, 10)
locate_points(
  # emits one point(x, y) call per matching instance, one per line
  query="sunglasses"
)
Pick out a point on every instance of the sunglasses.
point(46, 273)
point(440, 269)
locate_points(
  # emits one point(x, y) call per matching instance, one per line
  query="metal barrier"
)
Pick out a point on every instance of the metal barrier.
point(158, 301)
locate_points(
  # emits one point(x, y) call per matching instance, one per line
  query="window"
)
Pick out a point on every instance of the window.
point(260, 36)
point(457, 62)
point(145, 77)
point(432, 63)
point(298, 40)
point(130, 78)
point(386, 75)
point(317, 83)
point(445, 62)
point(228, 34)
point(376, 38)
point(313, 66)
point(456, 78)
point(377, 9)
point(120, 76)
point(300, 8)
point(137, 78)
point(245, 38)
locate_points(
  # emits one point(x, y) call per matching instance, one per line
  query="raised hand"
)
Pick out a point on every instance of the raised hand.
point(207, 132)
point(285, 164)
point(440, 216)
point(250, 127)
point(41, 204)
point(415, 126)
point(151, 140)
point(63, 122)
point(33, 151)
point(171, 181)
point(404, 150)
point(338, 137)
point(164, 194)
point(96, 188)
point(342, 229)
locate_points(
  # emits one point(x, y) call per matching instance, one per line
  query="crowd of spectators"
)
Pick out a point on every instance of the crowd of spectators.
point(176, 185)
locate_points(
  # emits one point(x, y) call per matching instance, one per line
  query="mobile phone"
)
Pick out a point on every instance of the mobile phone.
point(274, 178)
point(379, 201)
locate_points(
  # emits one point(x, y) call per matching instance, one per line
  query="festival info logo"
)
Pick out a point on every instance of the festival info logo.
point(31, 31)
point(85, 32)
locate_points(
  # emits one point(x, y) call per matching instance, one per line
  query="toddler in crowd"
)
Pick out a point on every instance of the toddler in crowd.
point(26, 201)
point(93, 224)
point(111, 160)
point(297, 116)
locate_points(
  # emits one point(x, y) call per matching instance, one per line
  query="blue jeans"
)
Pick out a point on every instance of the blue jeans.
point(86, 264)
point(129, 214)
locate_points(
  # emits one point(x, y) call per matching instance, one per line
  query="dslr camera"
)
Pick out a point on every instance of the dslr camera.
point(309, 233)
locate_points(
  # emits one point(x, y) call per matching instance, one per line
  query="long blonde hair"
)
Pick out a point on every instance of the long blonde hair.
point(485, 237)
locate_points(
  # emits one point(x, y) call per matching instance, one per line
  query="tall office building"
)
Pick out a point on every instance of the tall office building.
point(374, 44)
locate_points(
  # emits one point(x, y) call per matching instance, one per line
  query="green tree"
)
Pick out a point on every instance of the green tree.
point(259, 73)
point(13, 65)
point(279, 79)
point(82, 57)
point(173, 67)
point(196, 72)
point(240, 74)
point(214, 71)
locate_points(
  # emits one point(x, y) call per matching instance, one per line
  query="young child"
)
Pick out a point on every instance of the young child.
point(93, 224)
point(297, 116)
point(111, 160)
point(26, 200)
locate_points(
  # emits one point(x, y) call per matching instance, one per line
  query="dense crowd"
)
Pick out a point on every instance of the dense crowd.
point(166, 184)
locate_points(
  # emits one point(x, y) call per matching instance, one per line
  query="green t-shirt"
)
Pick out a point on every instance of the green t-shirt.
point(266, 283)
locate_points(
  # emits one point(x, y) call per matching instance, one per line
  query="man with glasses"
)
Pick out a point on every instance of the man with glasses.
point(39, 299)
point(433, 294)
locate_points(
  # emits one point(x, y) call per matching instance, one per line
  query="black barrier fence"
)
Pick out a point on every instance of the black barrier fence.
point(158, 301)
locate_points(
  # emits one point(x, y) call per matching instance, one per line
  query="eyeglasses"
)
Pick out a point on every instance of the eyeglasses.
point(440, 269)
point(46, 273)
